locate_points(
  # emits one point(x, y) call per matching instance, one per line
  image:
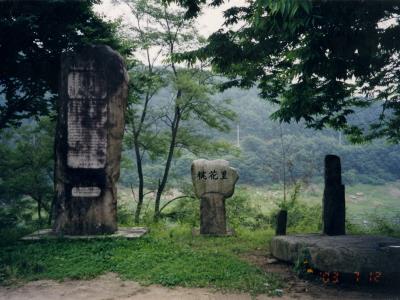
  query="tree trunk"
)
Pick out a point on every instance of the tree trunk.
point(39, 207)
point(141, 182)
point(163, 182)
point(139, 157)
point(138, 209)
point(50, 218)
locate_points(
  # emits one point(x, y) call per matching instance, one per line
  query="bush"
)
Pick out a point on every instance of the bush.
point(385, 227)
point(240, 212)
point(124, 215)
point(185, 211)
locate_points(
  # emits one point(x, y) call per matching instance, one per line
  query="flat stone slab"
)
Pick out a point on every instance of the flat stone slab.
point(343, 253)
point(123, 232)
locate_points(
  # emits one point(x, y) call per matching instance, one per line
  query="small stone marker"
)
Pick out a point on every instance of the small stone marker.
point(334, 198)
point(93, 94)
point(281, 222)
point(213, 182)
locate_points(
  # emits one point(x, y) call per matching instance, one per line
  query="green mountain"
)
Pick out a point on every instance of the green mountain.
point(257, 143)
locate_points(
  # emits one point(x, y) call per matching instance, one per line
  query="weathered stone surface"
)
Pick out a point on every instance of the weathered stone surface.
point(213, 182)
point(334, 210)
point(213, 214)
point(213, 176)
point(346, 253)
point(93, 93)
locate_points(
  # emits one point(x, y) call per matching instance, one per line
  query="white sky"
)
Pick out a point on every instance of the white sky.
point(209, 22)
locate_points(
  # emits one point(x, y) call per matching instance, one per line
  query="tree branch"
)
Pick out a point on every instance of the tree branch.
point(176, 198)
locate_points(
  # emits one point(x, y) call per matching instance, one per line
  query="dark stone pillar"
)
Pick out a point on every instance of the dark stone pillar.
point(334, 212)
point(281, 221)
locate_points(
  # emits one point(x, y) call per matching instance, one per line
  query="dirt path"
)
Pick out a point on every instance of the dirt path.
point(110, 287)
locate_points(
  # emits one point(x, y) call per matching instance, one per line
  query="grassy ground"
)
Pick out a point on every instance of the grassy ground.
point(167, 256)
point(363, 201)
point(385, 196)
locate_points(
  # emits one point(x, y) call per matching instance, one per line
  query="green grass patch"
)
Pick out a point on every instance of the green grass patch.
point(170, 257)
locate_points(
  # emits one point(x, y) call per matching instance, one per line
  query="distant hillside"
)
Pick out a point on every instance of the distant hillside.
point(259, 160)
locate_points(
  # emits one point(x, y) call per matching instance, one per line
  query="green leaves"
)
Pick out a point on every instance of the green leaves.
point(32, 38)
point(317, 59)
point(26, 167)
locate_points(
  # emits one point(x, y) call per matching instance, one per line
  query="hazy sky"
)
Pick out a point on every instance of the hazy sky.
point(208, 22)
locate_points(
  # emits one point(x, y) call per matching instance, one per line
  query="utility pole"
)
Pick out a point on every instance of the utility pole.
point(238, 136)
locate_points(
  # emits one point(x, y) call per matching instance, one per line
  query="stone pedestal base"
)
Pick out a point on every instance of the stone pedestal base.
point(212, 214)
point(229, 232)
point(342, 253)
point(124, 232)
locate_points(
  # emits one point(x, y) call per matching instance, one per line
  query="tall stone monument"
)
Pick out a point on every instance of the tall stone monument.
point(334, 211)
point(213, 182)
point(93, 95)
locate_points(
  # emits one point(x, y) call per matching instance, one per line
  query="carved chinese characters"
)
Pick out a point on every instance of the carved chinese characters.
point(87, 118)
